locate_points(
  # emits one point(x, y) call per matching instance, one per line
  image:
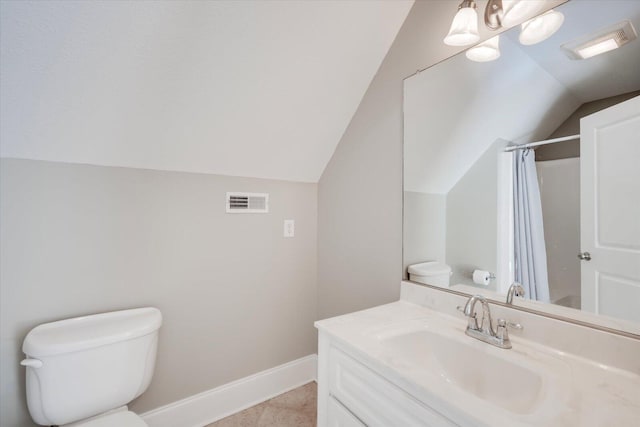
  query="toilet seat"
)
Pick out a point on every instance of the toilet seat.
point(116, 419)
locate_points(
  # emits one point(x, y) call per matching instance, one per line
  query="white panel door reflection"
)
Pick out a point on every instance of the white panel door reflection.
point(610, 210)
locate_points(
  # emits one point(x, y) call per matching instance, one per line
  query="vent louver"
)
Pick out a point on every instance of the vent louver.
point(247, 202)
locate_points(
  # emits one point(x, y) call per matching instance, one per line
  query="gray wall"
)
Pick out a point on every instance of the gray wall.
point(559, 182)
point(236, 296)
point(571, 126)
point(472, 209)
point(360, 191)
point(425, 227)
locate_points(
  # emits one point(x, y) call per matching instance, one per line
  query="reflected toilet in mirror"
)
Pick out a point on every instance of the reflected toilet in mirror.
point(430, 273)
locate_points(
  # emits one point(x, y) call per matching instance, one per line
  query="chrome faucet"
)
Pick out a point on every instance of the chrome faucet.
point(515, 289)
point(469, 311)
point(484, 331)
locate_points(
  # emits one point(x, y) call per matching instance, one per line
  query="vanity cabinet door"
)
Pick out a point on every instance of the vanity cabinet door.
point(339, 416)
point(374, 400)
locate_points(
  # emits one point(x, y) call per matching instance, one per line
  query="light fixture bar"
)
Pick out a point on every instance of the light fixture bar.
point(493, 14)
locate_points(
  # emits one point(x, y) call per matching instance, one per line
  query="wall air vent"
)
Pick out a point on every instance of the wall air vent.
point(605, 40)
point(247, 202)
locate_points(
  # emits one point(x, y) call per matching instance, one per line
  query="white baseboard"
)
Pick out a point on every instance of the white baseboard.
point(215, 404)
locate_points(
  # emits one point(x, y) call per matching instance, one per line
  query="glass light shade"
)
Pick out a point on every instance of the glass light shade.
point(541, 27)
point(515, 11)
point(486, 51)
point(464, 28)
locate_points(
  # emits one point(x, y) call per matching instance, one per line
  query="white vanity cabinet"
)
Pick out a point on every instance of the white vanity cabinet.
point(352, 394)
point(406, 364)
point(339, 416)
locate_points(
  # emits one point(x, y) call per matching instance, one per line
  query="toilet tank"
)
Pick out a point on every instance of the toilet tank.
point(430, 273)
point(81, 367)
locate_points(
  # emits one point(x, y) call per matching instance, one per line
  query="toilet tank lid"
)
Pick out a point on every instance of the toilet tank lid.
point(431, 268)
point(81, 333)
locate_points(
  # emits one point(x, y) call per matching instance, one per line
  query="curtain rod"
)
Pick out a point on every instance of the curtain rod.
point(546, 141)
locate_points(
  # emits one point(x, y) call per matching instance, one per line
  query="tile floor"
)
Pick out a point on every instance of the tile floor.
point(296, 408)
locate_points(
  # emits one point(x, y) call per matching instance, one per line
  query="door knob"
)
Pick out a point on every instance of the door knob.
point(584, 256)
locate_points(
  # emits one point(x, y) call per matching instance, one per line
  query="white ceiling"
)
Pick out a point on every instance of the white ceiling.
point(455, 111)
point(246, 88)
point(602, 76)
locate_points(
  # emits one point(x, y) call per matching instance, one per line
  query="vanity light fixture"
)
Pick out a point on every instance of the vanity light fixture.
point(507, 13)
point(464, 28)
point(501, 14)
point(514, 11)
point(541, 27)
point(486, 51)
point(605, 40)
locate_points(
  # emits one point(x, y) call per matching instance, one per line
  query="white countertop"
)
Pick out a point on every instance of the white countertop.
point(577, 391)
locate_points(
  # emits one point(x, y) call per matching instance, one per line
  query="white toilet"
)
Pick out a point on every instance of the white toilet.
point(86, 370)
point(430, 273)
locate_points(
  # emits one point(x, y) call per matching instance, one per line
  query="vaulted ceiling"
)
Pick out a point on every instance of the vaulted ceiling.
point(246, 88)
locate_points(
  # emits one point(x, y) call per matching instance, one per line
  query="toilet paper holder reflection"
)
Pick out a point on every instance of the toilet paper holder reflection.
point(482, 277)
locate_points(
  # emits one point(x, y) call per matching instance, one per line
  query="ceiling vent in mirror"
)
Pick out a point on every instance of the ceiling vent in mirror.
point(605, 40)
point(247, 202)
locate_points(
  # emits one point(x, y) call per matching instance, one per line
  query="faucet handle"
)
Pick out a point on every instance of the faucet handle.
point(502, 333)
point(502, 330)
point(512, 325)
point(473, 320)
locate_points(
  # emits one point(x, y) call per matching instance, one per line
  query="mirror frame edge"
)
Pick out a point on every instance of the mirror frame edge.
point(572, 320)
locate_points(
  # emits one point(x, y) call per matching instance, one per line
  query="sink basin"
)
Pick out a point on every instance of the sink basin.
point(489, 373)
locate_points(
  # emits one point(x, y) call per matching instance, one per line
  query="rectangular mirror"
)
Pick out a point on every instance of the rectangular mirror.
point(562, 217)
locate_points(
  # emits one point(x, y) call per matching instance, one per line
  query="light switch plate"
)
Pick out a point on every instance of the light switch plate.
point(289, 228)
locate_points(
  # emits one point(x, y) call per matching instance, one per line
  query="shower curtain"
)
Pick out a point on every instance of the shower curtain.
point(529, 246)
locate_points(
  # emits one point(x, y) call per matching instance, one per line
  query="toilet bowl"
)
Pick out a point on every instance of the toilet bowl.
point(82, 372)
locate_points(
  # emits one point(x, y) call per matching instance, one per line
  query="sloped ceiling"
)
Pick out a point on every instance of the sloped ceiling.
point(246, 88)
point(457, 109)
point(602, 76)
